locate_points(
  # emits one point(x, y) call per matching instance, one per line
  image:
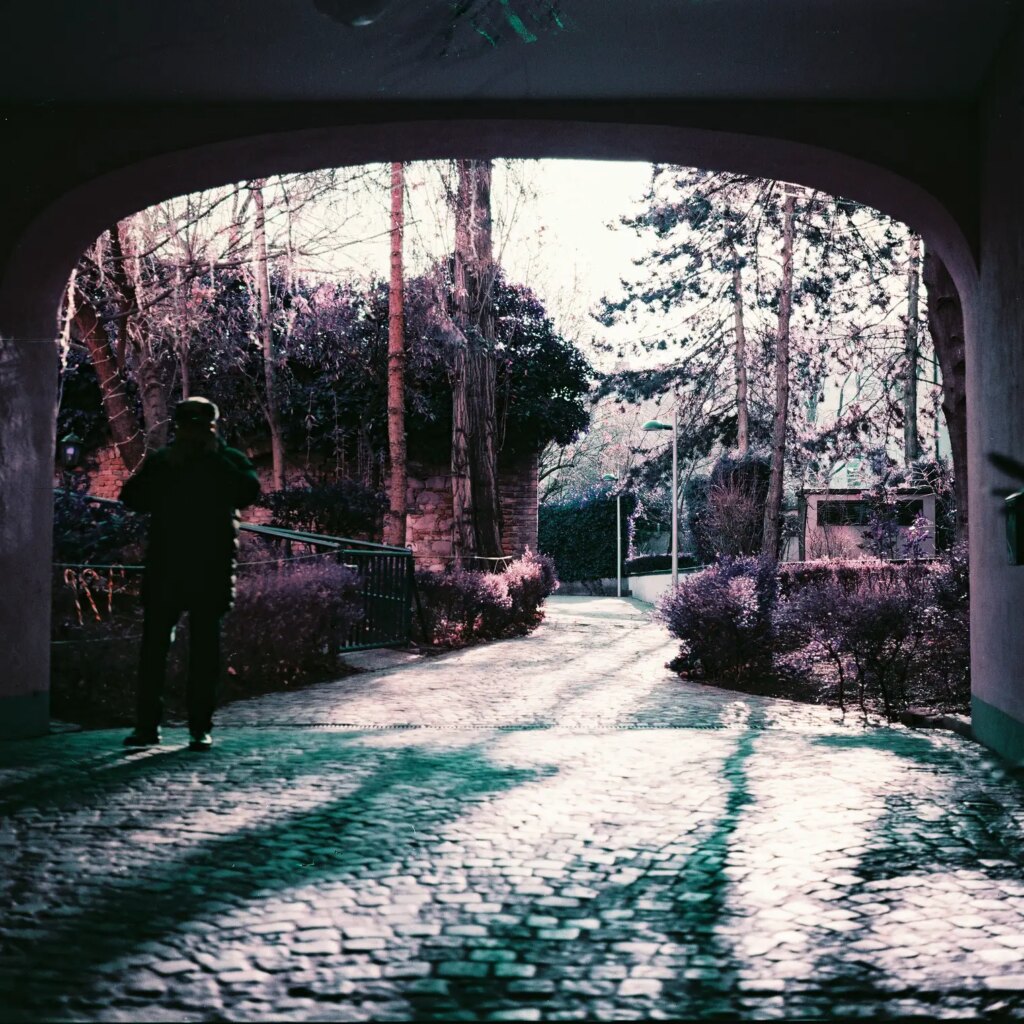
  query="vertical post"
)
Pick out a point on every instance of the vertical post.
point(675, 497)
point(618, 544)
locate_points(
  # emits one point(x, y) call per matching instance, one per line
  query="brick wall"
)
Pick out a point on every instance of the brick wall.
point(429, 511)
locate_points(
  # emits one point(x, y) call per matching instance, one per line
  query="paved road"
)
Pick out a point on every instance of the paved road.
point(551, 828)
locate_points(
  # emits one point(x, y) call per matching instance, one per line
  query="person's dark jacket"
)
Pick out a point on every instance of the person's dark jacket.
point(193, 499)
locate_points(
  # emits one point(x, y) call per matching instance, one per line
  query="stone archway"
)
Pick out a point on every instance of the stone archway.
point(30, 292)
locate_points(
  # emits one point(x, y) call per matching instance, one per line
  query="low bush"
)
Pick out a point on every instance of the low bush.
point(85, 531)
point(286, 625)
point(460, 606)
point(283, 631)
point(885, 636)
point(723, 616)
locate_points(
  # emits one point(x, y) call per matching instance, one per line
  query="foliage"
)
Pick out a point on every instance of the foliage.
point(336, 508)
point(723, 616)
point(87, 532)
point(640, 564)
point(283, 631)
point(883, 635)
point(331, 345)
point(712, 264)
point(726, 516)
point(461, 606)
point(287, 623)
point(579, 534)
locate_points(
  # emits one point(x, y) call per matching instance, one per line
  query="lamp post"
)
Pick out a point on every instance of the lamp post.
point(674, 427)
point(618, 536)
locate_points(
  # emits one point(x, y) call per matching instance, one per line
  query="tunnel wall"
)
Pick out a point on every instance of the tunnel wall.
point(995, 381)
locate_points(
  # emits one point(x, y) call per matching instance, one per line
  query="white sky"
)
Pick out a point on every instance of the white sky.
point(551, 229)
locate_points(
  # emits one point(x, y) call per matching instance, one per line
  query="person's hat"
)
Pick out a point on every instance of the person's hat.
point(196, 410)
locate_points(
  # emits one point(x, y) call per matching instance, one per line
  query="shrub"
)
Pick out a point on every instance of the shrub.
point(723, 616)
point(881, 634)
point(335, 507)
point(726, 508)
point(287, 624)
point(87, 532)
point(284, 629)
point(460, 606)
point(657, 563)
point(579, 534)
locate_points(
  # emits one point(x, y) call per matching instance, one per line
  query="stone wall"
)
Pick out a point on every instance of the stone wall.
point(429, 516)
point(995, 404)
point(428, 497)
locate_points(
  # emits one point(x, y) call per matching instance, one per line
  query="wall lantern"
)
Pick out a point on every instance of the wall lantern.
point(1015, 527)
point(70, 450)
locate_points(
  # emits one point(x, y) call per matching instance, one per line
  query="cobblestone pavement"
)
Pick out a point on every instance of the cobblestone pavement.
point(570, 833)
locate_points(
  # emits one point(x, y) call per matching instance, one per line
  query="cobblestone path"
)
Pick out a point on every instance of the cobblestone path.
point(551, 828)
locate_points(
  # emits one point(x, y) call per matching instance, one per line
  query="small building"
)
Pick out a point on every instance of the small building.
point(835, 520)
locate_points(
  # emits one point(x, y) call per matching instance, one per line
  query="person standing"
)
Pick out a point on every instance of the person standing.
point(192, 490)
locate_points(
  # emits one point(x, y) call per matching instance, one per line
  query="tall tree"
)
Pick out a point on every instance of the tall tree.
point(133, 330)
point(740, 359)
point(946, 324)
point(125, 429)
point(394, 526)
point(911, 438)
point(773, 509)
point(261, 272)
point(475, 501)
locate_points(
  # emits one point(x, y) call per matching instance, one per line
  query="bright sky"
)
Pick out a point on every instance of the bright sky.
point(551, 231)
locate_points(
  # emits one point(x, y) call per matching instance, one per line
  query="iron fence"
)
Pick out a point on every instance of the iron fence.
point(384, 592)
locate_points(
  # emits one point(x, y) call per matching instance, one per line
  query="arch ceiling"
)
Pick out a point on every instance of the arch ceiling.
point(265, 50)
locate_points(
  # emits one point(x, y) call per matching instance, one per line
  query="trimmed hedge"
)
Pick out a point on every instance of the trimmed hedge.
point(579, 535)
point(657, 563)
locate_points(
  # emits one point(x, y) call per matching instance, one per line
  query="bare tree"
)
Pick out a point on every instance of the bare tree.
point(394, 526)
point(911, 439)
point(266, 328)
point(773, 509)
point(476, 509)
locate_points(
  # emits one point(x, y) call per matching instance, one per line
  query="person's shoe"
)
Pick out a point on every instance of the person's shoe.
point(201, 741)
point(143, 738)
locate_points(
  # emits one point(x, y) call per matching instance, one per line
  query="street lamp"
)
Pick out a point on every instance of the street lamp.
point(674, 427)
point(618, 536)
point(70, 450)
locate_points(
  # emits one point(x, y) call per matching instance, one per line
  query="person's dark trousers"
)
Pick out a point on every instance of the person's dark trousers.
point(160, 618)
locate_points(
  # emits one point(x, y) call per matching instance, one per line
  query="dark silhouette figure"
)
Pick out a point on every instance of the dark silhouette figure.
point(192, 489)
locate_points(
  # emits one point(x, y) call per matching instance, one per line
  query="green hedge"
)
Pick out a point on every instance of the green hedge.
point(580, 535)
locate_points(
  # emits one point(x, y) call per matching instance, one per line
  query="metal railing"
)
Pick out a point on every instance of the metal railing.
point(385, 588)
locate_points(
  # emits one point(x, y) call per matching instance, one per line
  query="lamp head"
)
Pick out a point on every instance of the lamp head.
point(70, 450)
point(656, 425)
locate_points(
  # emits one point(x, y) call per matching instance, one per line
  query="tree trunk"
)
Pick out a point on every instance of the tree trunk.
point(946, 324)
point(911, 439)
point(394, 527)
point(773, 510)
point(124, 427)
point(742, 414)
point(262, 273)
point(476, 509)
point(131, 327)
